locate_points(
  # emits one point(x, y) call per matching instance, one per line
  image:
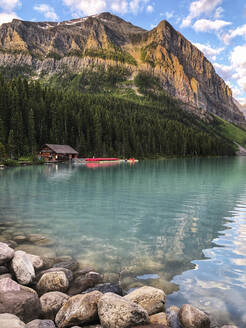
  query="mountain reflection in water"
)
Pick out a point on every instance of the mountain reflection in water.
point(176, 224)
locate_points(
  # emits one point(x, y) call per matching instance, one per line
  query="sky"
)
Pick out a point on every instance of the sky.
point(216, 27)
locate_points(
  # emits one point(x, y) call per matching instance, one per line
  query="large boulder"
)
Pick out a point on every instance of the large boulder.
point(9, 285)
point(117, 312)
point(23, 303)
point(8, 320)
point(6, 253)
point(53, 281)
point(23, 268)
point(41, 324)
point(191, 317)
point(79, 310)
point(51, 303)
point(151, 299)
point(173, 317)
point(107, 288)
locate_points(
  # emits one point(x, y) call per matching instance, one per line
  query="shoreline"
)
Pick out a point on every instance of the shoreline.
point(63, 282)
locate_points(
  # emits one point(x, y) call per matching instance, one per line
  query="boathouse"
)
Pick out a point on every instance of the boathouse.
point(54, 153)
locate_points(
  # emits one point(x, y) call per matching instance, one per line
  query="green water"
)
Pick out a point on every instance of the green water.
point(179, 224)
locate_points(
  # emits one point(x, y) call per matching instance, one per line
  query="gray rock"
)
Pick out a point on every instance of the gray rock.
point(80, 284)
point(37, 261)
point(53, 281)
point(82, 272)
point(41, 324)
point(70, 265)
point(9, 285)
point(23, 268)
point(79, 310)
point(6, 253)
point(6, 275)
point(117, 312)
point(8, 320)
point(51, 303)
point(107, 288)
point(151, 299)
point(173, 317)
point(191, 317)
point(23, 303)
point(95, 276)
point(67, 272)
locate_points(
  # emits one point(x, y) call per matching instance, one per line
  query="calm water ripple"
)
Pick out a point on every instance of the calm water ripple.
point(179, 225)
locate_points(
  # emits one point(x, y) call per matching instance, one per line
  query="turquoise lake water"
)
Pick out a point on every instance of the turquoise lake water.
point(178, 224)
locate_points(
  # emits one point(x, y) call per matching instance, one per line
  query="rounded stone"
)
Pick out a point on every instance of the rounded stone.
point(23, 268)
point(8, 320)
point(79, 310)
point(37, 261)
point(41, 324)
point(151, 299)
point(173, 316)
point(191, 317)
point(53, 281)
point(117, 312)
point(51, 303)
point(6, 253)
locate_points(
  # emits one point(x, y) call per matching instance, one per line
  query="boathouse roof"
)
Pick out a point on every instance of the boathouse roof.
point(61, 149)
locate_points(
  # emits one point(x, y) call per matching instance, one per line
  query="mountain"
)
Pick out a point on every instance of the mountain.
point(45, 49)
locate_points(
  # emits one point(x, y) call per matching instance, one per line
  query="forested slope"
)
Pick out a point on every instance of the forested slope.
point(102, 124)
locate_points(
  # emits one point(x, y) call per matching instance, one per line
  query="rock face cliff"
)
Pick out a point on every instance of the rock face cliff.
point(47, 48)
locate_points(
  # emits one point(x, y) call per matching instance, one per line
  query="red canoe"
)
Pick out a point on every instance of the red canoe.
point(102, 159)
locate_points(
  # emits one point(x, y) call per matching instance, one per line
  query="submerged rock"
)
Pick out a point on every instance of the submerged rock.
point(79, 310)
point(6, 253)
point(173, 317)
point(37, 250)
point(191, 317)
point(8, 320)
point(79, 285)
point(41, 324)
point(51, 303)
point(53, 281)
point(23, 268)
point(107, 288)
point(117, 312)
point(70, 265)
point(151, 299)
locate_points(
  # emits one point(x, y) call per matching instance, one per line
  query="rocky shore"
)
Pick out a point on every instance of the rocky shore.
point(43, 292)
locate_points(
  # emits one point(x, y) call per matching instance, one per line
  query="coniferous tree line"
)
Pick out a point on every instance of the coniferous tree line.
point(102, 125)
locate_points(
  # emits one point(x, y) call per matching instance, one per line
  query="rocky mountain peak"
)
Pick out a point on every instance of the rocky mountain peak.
point(105, 39)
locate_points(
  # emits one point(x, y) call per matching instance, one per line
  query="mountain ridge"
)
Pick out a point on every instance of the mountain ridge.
point(47, 48)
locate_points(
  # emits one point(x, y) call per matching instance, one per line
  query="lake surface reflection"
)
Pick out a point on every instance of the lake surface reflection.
point(177, 224)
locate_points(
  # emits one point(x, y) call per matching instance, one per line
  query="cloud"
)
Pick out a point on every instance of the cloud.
point(9, 5)
point(218, 13)
point(238, 62)
point(239, 31)
point(47, 11)
point(169, 15)
point(206, 25)
point(91, 7)
point(7, 17)
point(150, 9)
point(225, 71)
point(209, 52)
point(8, 14)
point(197, 8)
